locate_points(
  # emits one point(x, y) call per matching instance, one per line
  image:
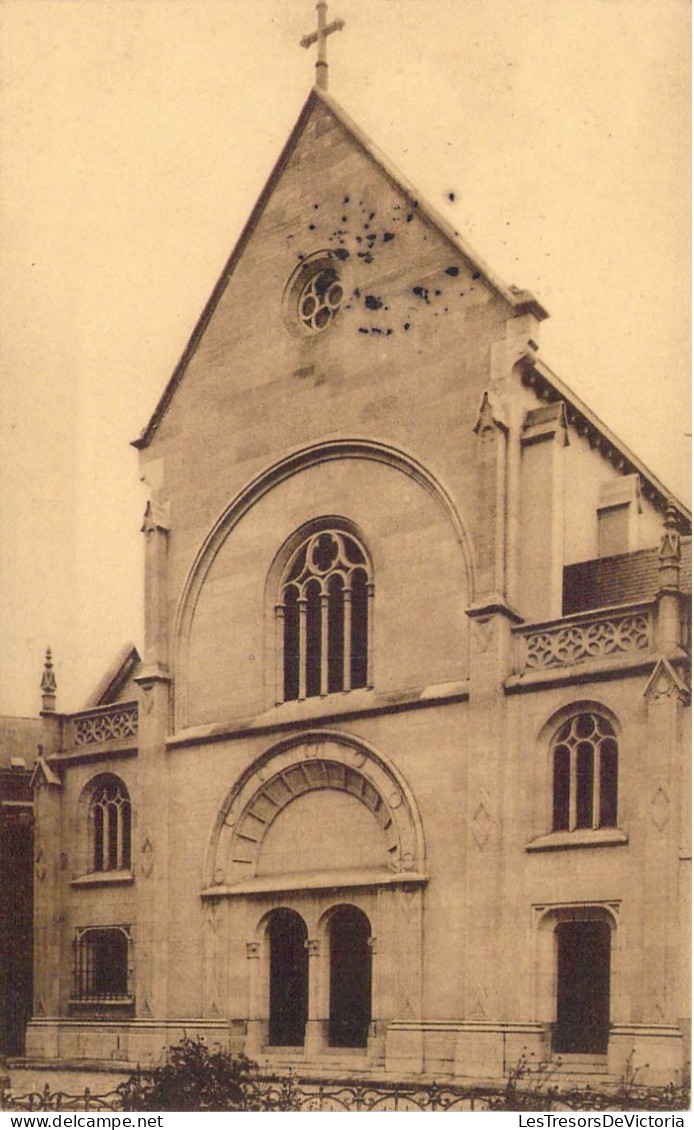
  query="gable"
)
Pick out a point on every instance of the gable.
point(320, 139)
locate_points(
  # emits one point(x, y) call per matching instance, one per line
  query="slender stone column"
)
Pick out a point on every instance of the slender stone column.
point(316, 1022)
point(150, 832)
point(49, 973)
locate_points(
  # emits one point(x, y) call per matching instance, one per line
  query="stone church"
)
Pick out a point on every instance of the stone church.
point(400, 782)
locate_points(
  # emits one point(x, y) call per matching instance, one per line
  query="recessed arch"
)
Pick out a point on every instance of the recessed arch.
point(290, 770)
point(253, 492)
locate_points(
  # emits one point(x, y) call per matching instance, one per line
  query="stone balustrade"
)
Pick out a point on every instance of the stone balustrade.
point(113, 723)
point(623, 633)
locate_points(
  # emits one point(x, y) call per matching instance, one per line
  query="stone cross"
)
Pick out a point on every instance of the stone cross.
point(319, 37)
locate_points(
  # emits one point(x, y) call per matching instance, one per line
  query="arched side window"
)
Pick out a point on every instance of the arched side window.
point(324, 617)
point(110, 823)
point(585, 763)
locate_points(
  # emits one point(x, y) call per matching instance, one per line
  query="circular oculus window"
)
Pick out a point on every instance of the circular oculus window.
point(320, 299)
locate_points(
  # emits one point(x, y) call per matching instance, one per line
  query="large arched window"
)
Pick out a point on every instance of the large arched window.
point(110, 825)
point(324, 615)
point(585, 754)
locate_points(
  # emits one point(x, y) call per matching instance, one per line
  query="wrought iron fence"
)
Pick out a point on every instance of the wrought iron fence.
point(60, 1100)
point(292, 1093)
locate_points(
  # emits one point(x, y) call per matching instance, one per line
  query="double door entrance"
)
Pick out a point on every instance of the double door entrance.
point(349, 974)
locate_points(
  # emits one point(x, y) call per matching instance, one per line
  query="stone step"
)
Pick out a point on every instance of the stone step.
point(580, 1066)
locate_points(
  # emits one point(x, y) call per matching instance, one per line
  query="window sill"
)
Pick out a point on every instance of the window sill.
point(119, 1008)
point(581, 837)
point(104, 879)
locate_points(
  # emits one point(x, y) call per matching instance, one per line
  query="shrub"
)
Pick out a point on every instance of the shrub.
point(193, 1078)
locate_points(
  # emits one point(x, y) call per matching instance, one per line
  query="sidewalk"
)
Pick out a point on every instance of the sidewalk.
point(100, 1081)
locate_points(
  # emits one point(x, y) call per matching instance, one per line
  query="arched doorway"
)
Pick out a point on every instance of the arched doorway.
point(287, 936)
point(349, 933)
point(583, 987)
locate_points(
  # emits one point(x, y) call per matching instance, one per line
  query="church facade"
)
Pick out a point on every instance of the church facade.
point(399, 784)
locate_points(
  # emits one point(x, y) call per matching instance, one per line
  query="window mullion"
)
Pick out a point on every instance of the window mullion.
point(302, 646)
point(347, 635)
point(324, 642)
point(118, 814)
point(280, 657)
point(597, 774)
point(573, 781)
point(369, 634)
point(106, 838)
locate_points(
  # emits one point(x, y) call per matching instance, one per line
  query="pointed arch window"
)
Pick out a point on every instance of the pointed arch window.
point(324, 617)
point(111, 825)
point(585, 757)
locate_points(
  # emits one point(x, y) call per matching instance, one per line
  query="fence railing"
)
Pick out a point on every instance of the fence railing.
point(291, 1093)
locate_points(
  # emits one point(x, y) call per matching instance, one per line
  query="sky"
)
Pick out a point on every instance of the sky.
point(135, 137)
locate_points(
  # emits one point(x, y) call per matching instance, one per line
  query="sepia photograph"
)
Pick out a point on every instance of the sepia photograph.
point(345, 552)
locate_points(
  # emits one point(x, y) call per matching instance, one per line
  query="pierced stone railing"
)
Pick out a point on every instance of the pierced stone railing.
point(612, 634)
point(113, 723)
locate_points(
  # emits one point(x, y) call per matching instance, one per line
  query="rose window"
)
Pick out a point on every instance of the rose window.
point(320, 299)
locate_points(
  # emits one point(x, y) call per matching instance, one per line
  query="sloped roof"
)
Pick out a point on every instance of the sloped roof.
point(624, 578)
point(116, 679)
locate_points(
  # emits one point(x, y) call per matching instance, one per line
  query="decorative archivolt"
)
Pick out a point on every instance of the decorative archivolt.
point(296, 767)
point(319, 453)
